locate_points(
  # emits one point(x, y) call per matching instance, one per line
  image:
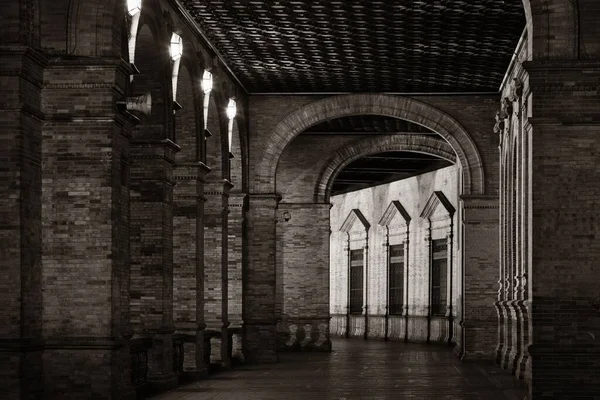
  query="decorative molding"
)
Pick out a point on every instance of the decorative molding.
point(389, 214)
point(263, 200)
point(565, 88)
point(516, 89)
point(437, 198)
point(499, 125)
point(353, 216)
point(80, 85)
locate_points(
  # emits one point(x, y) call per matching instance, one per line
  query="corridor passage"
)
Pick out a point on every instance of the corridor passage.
point(358, 369)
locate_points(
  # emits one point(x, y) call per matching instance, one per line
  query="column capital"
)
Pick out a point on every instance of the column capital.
point(154, 149)
point(190, 171)
point(237, 199)
point(217, 187)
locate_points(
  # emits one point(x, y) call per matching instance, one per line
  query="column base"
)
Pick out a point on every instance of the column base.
point(84, 368)
point(500, 345)
point(161, 376)
point(162, 383)
point(260, 343)
point(509, 321)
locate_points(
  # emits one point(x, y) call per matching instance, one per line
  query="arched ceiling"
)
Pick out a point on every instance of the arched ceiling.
point(381, 168)
point(359, 124)
point(404, 46)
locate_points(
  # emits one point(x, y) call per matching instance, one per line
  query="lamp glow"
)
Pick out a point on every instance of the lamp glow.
point(231, 109)
point(134, 7)
point(176, 47)
point(207, 82)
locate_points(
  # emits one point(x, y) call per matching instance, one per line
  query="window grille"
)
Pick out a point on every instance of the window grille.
point(439, 277)
point(396, 279)
point(356, 281)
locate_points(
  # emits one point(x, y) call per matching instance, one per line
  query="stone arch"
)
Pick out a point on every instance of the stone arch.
point(93, 27)
point(372, 104)
point(216, 144)
point(340, 159)
point(25, 15)
point(152, 60)
point(553, 28)
point(186, 119)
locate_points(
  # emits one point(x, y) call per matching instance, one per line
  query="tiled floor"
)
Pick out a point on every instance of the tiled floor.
point(358, 369)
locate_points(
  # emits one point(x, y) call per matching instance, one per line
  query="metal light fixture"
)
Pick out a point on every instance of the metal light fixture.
point(142, 104)
point(231, 112)
point(134, 7)
point(176, 47)
point(207, 84)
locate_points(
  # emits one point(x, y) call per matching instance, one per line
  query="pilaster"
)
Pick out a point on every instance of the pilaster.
point(564, 191)
point(152, 254)
point(479, 319)
point(188, 265)
point(21, 76)
point(303, 251)
point(85, 229)
point(259, 341)
point(216, 284)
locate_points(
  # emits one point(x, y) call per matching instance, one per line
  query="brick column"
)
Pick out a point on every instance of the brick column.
point(480, 286)
point(304, 253)
point(564, 113)
point(236, 220)
point(21, 74)
point(152, 254)
point(188, 265)
point(237, 209)
point(85, 218)
point(259, 342)
point(216, 263)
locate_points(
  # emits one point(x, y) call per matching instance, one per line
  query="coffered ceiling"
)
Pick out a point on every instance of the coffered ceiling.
point(403, 46)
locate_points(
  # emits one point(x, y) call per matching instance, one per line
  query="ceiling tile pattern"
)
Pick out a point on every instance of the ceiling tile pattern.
point(367, 124)
point(363, 45)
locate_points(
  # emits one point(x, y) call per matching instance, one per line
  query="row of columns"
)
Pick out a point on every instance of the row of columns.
point(513, 298)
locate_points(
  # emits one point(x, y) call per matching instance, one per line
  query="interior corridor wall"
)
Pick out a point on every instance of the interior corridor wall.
point(413, 194)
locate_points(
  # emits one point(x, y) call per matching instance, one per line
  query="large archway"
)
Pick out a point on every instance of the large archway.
point(374, 104)
point(343, 157)
point(478, 231)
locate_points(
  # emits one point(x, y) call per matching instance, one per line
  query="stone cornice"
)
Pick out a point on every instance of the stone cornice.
point(560, 65)
point(34, 54)
point(80, 85)
point(263, 200)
